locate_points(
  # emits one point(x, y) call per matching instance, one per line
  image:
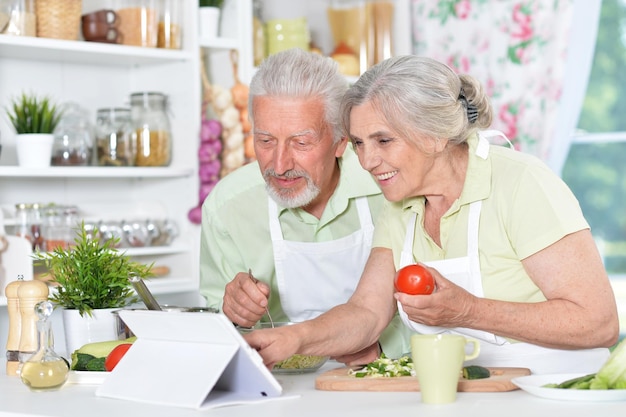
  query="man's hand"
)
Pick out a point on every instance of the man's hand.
point(245, 300)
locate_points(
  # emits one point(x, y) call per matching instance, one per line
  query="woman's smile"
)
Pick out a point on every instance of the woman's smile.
point(386, 176)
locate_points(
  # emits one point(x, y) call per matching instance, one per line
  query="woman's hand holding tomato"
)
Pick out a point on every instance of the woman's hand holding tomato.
point(448, 306)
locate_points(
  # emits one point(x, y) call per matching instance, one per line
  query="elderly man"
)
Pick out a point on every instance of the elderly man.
point(288, 236)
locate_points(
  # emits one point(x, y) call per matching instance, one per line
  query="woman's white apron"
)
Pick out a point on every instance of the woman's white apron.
point(495, 351)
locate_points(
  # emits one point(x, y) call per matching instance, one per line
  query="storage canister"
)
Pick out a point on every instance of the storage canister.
point(71, 223)
point(152, 129)
point(138, 22)
point(22, 220)
point(53, 228)
point(73, 138)
point(115, 141)
point(18, 18)
point(35, 221)
point(169, 35)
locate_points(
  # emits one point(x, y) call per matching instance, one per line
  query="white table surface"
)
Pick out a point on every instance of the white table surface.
point(74, 400)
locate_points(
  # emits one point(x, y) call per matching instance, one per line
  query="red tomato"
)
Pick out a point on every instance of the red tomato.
point(414, 279)
point(116, 354)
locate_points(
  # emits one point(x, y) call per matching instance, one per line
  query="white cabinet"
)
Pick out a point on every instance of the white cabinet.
point(97, 75)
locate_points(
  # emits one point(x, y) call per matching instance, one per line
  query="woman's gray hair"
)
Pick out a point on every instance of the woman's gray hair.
point(296, 73)
point(418, 95)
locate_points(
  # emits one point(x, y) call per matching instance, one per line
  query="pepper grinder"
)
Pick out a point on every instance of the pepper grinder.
point(29, 294)
point(15, 323)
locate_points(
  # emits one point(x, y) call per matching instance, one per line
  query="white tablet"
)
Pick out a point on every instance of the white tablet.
point(185, 359)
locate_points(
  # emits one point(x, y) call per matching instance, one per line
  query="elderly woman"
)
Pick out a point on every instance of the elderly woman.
point(514, 262)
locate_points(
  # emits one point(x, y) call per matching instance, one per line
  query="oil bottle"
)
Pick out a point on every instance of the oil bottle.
point(44, 370)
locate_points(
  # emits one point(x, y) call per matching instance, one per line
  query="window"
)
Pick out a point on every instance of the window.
point(595, 168)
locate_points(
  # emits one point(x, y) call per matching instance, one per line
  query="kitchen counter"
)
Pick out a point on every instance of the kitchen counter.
point(74, 400)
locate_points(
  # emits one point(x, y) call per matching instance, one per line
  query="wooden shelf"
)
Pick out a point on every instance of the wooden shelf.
point(219, 43)
point(169, 285)
point(95, 172)
point(81, 52)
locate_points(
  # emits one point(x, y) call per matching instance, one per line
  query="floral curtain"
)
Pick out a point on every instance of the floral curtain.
point(519, 50)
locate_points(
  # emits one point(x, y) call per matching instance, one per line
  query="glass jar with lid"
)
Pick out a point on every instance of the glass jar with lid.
point(115, 141)
point(73, 140)
point(138, 22)
point(152, 129)
point(22, 220)
point(52, 230)
point(35, 221)
point(169, 36)
point(18, 18)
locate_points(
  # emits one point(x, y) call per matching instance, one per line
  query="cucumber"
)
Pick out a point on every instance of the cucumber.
point(80, 361)
point(81, 356)
point(582, 382)
point(96, 364)
point(475, 372)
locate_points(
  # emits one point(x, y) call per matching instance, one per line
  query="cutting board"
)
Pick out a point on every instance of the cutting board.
point(339, 380)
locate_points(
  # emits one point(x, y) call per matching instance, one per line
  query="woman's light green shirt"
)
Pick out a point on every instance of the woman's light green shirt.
point(525, 208)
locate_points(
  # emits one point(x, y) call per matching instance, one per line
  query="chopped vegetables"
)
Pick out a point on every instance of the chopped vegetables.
point(475, 372)
point(581, 382)
point(301, 362)
point(386, 367)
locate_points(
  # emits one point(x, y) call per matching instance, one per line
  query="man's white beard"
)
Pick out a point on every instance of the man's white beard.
point(287, 198)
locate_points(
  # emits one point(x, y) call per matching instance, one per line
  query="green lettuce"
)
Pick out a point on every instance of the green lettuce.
point(612, 375)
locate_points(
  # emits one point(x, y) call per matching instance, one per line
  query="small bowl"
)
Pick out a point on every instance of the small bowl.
point(296, 364)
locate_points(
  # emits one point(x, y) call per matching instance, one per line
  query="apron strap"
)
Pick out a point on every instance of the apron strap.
point(365, 217)
point(406, 256)
point(491, 133)
point(275, 231)
point(472, 241)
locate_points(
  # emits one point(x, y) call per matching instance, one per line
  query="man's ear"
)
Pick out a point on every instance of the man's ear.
point(341, 146)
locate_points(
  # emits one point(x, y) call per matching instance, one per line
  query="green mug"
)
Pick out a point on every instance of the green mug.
point(438, 360)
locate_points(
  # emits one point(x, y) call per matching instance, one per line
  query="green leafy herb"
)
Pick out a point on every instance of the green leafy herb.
point(91, 274)
point(32, 114)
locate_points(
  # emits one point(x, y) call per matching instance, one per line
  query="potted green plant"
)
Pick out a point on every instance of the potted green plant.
point(212, 3)
point(209, 17)
point(92, 281)
point(34, 119)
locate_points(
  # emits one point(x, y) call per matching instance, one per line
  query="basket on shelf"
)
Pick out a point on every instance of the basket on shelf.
point(58, 19)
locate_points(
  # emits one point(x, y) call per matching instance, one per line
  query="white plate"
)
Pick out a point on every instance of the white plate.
point(534, 384)
point(86, 377)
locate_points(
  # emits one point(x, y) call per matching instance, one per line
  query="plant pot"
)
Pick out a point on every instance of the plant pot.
point(34, 150)
point(100, 327)
point(209, 22)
